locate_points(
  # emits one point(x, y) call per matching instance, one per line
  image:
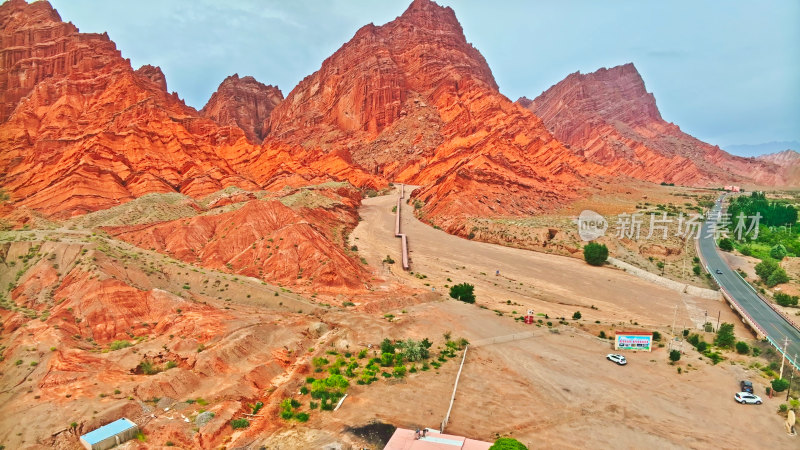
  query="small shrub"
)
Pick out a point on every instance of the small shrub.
point(595, 254)
point(674, 356)
point(602, 335)
point(464, 292)
point(742, 348)
point(117, 345)
point(301, 417)
point(576, 315)
point(239, 423)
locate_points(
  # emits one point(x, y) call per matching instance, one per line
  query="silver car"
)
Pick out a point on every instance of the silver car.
point(619, 359)
point(747, 398)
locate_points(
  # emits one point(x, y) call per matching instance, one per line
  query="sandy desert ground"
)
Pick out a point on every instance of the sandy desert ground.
point(555, 389)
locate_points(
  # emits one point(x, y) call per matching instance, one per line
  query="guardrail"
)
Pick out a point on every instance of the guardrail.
point(769, 303)
point(397, 233)
point(455, 387)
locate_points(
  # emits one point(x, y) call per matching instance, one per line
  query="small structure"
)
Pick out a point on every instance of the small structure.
point(633, 340)
point(110, 435)
point(733, 188)
point(429, 439)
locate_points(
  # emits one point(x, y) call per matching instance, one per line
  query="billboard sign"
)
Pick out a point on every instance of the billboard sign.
point(633, 341)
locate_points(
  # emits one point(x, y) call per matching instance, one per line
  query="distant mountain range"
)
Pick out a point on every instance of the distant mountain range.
point(762, 149)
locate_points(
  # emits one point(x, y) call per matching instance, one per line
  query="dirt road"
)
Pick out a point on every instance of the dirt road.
point(550, 284)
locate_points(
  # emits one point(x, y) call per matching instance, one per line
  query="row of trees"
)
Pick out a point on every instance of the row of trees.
point(773, 214)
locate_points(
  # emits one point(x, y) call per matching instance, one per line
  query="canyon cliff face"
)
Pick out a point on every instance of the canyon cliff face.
point(609, 117)
point(35, 45)
point(413, 101)
point(243, 102)
point(86, 132)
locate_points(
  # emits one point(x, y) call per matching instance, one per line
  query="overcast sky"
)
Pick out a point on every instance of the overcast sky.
point(726, 72)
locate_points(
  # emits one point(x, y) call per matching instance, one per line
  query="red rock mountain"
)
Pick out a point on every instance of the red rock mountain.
point(36, 45)
point(413, 101)
point(243, 102)
point(788, 161)
point(609, 117)
point(87, 132)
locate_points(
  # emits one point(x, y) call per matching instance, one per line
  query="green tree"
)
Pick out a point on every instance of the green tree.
point(725, 337)
point(742, 348)
point(786, 299)
point(726, 244)
point(765, 268)
point(779, 385)
point(696, 270)
point(595, 254)
point(778, 252)
point(674, 355)
point(387, 346)
point(777, 277)
point(464, 292)
point(508, 444)
point(576, 315)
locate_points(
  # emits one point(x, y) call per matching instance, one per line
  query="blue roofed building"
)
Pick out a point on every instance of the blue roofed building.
point(110, 435)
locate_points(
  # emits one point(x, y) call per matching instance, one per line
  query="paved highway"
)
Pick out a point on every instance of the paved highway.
point(771, 323)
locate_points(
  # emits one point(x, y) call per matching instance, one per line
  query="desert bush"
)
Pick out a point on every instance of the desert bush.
point(742, 348)
point(464, 292)
point(779, 384)
point(725, 337)
point(784, 299)
point(117, 345)
point(576, 315)
point(656, 336)
point(778, 252)
point(595, 254)
point(726, 244)
point(777, 277)
point(239, 423)
point(508, 444)
point(674, 355)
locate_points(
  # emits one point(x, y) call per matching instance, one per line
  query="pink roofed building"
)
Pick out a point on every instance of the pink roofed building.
point(404, 439)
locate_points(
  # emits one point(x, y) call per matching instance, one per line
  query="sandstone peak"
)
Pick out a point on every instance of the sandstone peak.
point(153, 74)
point(43, 47)
point(609, 117)
point(244, 102)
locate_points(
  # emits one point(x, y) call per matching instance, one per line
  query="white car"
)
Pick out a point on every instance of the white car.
point(747, 398)
point(619, 359)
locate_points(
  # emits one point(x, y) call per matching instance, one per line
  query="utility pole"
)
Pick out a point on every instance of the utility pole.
point(791, 379)
point(674, 318)
point(783, 359)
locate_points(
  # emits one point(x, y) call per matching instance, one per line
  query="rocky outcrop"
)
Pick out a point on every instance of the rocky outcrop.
point(609, 117)
point(154, 75)
point(266, 240)
point(36, 45)
point(243, 102)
